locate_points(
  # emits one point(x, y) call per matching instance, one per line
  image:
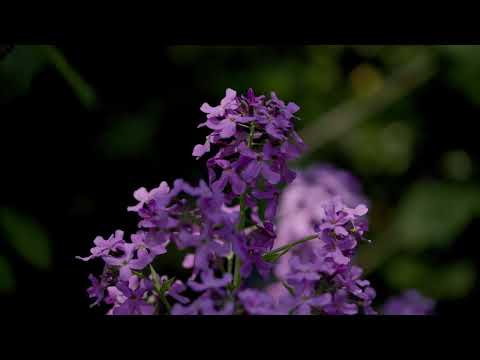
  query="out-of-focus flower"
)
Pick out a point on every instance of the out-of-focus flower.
point(411, 302)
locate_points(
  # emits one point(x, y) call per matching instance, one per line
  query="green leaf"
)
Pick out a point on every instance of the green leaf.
point(433, 214)
point(7, 280)
point(27, 237)
point(131, 135)
point(464, 71)
point(156, 280)
point(84, 92)
point(18, 69)
point(450, 281)
point(381, 148)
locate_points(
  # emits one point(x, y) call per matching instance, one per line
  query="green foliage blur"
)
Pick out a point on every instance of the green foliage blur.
point(361, 110)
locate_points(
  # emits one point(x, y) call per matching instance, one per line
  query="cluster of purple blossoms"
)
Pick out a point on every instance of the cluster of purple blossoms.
point(228, 230)
point(299, 208)
point(320, 277)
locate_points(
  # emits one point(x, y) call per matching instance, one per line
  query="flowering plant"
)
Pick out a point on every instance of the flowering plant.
point(229, 231)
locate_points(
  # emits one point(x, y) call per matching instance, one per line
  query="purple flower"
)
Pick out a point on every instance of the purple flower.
point(229, 175)
point(270, 194)
point(209, 281)
point(306, 301)
point(411, 302)
point(251, 250)
point(227, 127)
point(229, 102)
point(337, 231)
point(207, 250)
point(276, 290)
point(301, 206)
point(97, 290)
point(340, 304)
point(259, 163)
point(302, 272)
point(188, 261)
point(350, 280)
point(206, 304)
point(175, 290)
point(126, 262)
point(257, 302)
point(134, 303)
point(254, 139)
point(208, 308)
point(146, 245)
point(144, 196)
point(104, 247)
point(199, 150)
point(333, 249)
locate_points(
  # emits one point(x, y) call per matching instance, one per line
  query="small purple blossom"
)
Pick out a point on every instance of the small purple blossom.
point(128, 262)
point(134, 302)
point(341, 305)
point(258, 163)
point(209, 281)
point(229, 102)
point(104, 247)
point(305, 301)
point(251, 249)
point(229, 176)
point(207, 304)
point(256, 302)
point(97, 290)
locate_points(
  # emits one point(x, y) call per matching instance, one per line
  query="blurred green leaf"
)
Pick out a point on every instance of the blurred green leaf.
point(465, 69)
point(457, 165)
point(27, 237)
point(18, 69)
point(450, 281)
point(7, 280)
point(433, 214)
point(281, 78)
point(131, 135)
point(376, 148)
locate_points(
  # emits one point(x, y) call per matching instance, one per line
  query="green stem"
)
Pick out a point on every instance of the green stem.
point(241, 226)
point(242, 221)
point(275, 254)
point(165, 302)
point(80, 87)
point(230, 264)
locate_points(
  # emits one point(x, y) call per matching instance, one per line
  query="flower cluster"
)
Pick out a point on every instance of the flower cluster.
point(299, 207)
point(227, 231)
point(320, 278)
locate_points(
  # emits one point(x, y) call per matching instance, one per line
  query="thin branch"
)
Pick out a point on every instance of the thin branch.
point(345, 117)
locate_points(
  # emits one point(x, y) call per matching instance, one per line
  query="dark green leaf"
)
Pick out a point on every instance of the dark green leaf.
point(7, 280)
point(432, 214)
point(18, 69)
point(27, 237)
point(450, 281)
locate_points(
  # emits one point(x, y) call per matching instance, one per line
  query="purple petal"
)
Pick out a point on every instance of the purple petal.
point(188, 261)
point(340, 230)
point(269, 175)
point(228, 129)
point(220, 184)
point(238, 185)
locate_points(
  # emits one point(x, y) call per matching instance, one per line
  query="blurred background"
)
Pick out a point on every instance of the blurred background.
point(82, 127)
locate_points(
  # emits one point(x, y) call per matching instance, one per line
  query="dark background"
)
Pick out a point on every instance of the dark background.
point(82, 127)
